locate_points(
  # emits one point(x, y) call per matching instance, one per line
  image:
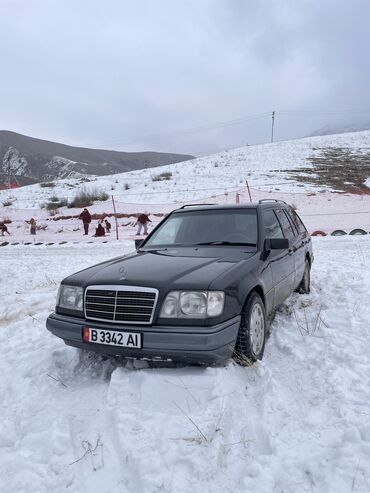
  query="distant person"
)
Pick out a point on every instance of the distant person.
point(32, 223)
point(85, 216)
point(107, 226)
point(142, 222)
point(3, 229)
point(99, 230)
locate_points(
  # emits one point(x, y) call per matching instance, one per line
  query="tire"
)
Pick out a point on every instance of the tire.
point(318, 233)
point(358, 232)
point(305, 285)
point(250, 343)
point(338, 232)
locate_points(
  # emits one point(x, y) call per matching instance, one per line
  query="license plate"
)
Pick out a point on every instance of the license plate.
point(112, 337)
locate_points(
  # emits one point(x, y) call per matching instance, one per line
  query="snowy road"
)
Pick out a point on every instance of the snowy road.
point(297, 422)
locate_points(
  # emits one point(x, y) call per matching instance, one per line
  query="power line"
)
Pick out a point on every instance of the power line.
point(323, 112)
point(227, 123)
point(185, 131)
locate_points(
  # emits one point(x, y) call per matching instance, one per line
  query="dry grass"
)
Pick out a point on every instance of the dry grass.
point(308, 326)
point(241, 359)
point(85, 198)
point(336, 168)
point(167, 175)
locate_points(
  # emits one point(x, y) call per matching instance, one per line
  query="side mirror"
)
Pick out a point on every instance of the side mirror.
point(138, 243)
point(276, 244)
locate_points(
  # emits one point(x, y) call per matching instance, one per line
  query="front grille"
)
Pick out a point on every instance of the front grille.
point(120, 304)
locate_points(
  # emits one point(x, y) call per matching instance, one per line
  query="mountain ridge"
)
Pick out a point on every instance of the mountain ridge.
point(32, 160)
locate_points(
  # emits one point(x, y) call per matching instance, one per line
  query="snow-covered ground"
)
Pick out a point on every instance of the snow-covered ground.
point(325, 211)
point(216, 178)
point(263, 165)
point(296, 422)
point(268, 168)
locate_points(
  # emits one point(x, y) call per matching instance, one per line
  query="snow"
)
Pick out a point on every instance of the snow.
point(325, 211)
point(17, 163)
point(217, 179)
point(296, 422)
point(263, 165)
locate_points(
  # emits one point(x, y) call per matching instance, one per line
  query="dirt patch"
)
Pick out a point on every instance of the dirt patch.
point(337, 168)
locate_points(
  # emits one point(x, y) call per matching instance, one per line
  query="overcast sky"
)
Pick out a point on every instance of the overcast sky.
point(146, 74)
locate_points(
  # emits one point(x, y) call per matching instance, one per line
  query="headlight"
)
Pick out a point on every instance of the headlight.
point(70, 297)
point(193, 304)
point(169, 307)
point(215, 303)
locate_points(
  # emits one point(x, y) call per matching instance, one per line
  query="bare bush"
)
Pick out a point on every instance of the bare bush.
point(167, 175)
point(47, 184)
point(55, 203)
point(85, 198)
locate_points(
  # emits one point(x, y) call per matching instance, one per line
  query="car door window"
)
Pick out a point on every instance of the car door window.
point(297, 221)
point(294, 227)
point(272, 225)
point(285, 224)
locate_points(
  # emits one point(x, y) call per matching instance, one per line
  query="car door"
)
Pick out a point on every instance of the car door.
point(280, 261)
point(290, 234)
point(302, 238)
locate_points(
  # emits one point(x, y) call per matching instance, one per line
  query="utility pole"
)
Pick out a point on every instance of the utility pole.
point(249, 192)
point(272, 126)
point(115, 216)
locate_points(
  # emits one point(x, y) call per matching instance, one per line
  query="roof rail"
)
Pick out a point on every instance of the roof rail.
point(272, 200)
point(193, 205)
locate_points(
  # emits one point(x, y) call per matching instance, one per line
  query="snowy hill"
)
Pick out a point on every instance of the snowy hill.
point(289, 166)
point(294, 171)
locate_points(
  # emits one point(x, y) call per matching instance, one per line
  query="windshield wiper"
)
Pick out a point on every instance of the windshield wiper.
point(234, 243)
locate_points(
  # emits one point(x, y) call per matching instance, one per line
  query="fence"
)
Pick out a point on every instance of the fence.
point(323, 212)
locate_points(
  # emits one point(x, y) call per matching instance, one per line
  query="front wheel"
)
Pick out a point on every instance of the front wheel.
point(250, 344)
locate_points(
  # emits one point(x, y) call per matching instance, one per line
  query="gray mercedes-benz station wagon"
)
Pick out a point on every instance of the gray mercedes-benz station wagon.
point(200, 288)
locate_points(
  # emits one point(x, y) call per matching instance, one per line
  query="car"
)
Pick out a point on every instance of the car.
point(201, 288)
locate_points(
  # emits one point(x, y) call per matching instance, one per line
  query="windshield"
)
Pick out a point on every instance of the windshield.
point(218, 227)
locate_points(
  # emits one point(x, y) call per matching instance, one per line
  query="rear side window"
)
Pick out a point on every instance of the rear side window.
point(297, 221)
point(272, 225)
point(285, 224)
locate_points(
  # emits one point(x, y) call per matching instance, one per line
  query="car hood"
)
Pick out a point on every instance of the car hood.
point(184, 268)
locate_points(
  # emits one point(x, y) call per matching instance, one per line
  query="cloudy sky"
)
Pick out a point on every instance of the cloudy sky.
point(191, 76)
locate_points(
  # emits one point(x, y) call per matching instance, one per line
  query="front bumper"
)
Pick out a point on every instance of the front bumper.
point(176, 343)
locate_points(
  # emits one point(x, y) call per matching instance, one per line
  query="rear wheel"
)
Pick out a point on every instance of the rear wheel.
point(305, 285)
point(250, 344)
